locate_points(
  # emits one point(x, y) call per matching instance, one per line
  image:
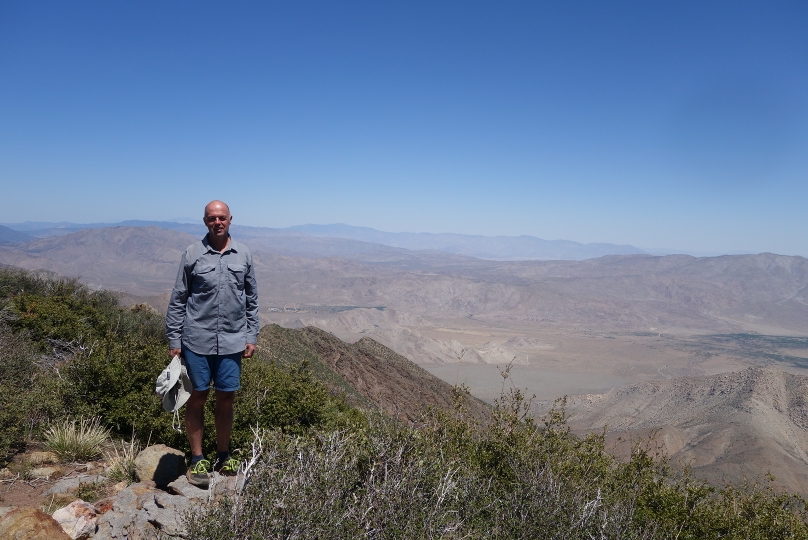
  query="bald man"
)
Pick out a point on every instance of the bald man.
point(212, 322)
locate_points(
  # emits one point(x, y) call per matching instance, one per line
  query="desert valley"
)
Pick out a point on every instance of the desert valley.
point(708, 354)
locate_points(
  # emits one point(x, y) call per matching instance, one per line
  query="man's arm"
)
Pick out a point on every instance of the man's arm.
point(251, 293)
point(175, 316)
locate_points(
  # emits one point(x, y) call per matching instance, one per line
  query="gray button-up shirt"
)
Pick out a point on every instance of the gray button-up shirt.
point(214, 304)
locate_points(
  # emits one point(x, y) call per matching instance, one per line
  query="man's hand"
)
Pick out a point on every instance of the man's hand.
point(174, 352)
point(249, 349)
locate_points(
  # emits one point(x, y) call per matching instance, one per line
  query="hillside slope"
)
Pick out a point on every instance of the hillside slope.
point(10, 236)
point(728, 427)
point(140, 261)
point(366, 371)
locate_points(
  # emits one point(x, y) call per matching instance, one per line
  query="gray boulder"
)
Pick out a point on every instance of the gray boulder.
point(143, 513)
point(183, 488)
point(72, 483)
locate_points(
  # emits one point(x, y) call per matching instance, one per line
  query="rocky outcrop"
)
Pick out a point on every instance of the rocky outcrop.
point(140, 512)
point(150, 510)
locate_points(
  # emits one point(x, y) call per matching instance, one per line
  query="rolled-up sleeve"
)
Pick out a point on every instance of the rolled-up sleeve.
point(175, 316)
point(251, 294)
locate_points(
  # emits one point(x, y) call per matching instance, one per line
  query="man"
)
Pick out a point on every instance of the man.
point(212, 322)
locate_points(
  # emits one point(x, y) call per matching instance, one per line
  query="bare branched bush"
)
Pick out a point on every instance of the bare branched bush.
point(514, 478)
point(343, 485)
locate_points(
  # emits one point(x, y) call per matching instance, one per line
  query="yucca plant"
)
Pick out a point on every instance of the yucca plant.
point(77, 440)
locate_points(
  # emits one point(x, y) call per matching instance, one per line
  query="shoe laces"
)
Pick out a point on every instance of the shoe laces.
point(201, 467)
point(231, 464)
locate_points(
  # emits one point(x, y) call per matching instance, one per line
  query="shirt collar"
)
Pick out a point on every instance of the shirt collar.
point(209, 249)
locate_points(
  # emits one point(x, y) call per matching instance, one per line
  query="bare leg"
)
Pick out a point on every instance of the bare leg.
point(224, 419)
point(195, 420)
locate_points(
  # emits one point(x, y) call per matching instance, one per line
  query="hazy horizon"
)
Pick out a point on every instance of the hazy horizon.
point(35, 225)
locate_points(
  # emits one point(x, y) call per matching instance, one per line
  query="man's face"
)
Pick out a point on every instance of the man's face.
point(217, 219)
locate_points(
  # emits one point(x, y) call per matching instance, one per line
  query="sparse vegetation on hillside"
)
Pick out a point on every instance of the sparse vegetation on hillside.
point(368, 373)
point(67, 351)
point(323, 469)
point(510, 479)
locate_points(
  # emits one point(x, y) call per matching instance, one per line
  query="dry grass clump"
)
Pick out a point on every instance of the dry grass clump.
point(121, 461)
point(77, 440)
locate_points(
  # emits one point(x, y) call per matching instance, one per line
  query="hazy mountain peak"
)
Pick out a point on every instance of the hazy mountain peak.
point(483, 247)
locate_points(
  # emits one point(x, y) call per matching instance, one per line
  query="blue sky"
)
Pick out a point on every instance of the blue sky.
point(683, 125)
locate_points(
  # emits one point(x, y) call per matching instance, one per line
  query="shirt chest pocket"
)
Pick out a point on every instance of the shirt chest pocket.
point(205, 277)
point(236, 275)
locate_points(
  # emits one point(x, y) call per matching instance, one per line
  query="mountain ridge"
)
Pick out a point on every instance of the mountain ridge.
point(10, 236)
point(389, 381)
point(719, 425)
point(485, 247)
point(764, 293)
point(479, 246)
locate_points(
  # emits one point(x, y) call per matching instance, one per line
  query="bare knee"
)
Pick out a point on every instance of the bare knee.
point(225, 398)
point(197, 399)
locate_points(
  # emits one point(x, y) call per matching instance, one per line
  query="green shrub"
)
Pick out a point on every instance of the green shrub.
point(29, 394)
point(91, 491)
point(103, 360)
point(115, 381)
point(287, 398)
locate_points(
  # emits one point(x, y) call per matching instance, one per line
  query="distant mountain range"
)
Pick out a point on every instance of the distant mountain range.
point(347, 240)
point(481, 247)
point(764, 293)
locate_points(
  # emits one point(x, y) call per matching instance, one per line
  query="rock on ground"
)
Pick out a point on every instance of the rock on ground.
point(219, 485)
point(46, 472)
point(78, 519)
point(159, 464)
point(42, 458)
point(143, 513)
point(72, 483)
point(26, 523)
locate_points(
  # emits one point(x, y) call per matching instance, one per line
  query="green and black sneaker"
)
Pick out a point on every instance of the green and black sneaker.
point(199, 474)
point(227, 467)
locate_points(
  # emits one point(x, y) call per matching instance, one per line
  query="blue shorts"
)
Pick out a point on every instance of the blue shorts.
point(223, 369)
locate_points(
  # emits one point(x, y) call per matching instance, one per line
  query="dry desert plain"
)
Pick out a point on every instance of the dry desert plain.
point(640, 343)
